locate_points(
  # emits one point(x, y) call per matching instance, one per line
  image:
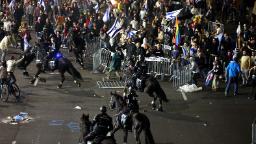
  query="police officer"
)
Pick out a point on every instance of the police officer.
point(102, 124)
point(140, 71)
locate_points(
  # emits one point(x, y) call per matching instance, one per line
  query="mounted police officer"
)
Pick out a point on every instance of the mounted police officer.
point(140, 73)
point(124, 117)
point(102, 124)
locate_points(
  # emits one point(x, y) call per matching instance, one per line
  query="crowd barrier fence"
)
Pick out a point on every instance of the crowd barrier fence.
point(179, 74)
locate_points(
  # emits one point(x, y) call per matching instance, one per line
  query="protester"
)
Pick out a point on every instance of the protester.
point(245, 66)
point(232, 73)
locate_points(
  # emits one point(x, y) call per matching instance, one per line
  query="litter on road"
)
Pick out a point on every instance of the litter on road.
point(189, 88)
point(21, 118)
point(78, 108)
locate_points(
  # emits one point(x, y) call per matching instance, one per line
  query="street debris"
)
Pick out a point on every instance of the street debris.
point(78, 107)
point(21, 118)
point(189, 88)
point(205, 124)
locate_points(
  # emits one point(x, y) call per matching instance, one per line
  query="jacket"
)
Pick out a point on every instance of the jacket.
point(233, 69)
point(6, 42)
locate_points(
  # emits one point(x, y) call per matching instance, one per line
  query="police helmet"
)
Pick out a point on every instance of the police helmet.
point(103, 109)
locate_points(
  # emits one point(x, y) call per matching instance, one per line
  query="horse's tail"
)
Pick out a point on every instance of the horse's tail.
point(148, 136)
point(76, 74)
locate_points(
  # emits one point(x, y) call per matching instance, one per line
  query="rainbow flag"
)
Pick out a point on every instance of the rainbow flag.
point(177, 33)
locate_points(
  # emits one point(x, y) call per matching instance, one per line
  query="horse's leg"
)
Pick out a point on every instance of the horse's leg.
point(160, 108)
point(153, 103)
point(81, 59)
point(137, 133)
point(69, 70)
point(125, 136)
point(62, 79)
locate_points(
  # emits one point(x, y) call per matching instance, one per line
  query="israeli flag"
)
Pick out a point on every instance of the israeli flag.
point(172, 15)
point(115, 29)
point(96, 7)
point(42, 3)
point(106, 16)
point(184, 51)
point(131, 33)
point(12, 3)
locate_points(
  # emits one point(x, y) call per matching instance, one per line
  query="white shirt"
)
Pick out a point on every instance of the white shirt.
point(11, 64)
point(135, 24)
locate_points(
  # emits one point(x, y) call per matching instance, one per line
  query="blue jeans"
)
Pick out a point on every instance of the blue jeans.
point(231, 80)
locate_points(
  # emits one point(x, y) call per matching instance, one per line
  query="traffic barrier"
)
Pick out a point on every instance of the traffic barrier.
point(181, 76)
point(158, 66)
point(111, 84)
point(91, 47)
point(101, 60)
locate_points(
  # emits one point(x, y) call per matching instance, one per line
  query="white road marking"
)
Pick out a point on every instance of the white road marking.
point(13, 142)
point(184, 95)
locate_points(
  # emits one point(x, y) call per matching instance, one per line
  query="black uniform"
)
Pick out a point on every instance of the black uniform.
point(102, 124)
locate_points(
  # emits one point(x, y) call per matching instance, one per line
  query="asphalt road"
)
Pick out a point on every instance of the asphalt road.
point(205, 118)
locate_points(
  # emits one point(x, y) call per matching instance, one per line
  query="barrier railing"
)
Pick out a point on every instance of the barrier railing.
point(91, 47)
point(158, 66)
point(101, 59)
point(181, 76)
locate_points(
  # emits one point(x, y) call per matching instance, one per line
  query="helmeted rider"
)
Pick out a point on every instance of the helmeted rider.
point(101, 125)
point(52, 54)
point(140, 72)
point(123, 117)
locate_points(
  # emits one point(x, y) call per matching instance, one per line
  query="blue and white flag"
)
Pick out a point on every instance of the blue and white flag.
point(131, 33)
point(106, 16)
point(209, 78)
point(12, 3)
point(42, 3)
point(185, 52)
point(96, 7)
point(115, 29)
point(172, 15)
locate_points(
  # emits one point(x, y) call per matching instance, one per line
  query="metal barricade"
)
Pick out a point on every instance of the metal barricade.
point(105, 57)
point(101, 59)
point(91, 47)
point(180, 76)
point(158, 66)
